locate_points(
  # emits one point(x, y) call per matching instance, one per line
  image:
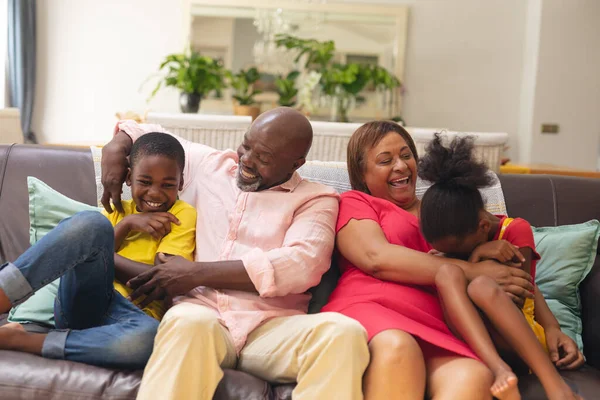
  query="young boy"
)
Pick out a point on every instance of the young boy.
point(94, 324)
point(155, 221)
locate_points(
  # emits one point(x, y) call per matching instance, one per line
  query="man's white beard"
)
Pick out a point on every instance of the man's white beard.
point(245, 187)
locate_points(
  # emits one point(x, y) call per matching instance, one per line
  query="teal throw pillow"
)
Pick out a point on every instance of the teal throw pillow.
point(568, 253)
point(47, 208)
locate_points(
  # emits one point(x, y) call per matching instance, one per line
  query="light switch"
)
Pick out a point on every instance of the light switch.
point(550, 128)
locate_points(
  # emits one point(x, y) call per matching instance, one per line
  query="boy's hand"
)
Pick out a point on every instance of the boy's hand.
point(499, 250)
point(157, 224)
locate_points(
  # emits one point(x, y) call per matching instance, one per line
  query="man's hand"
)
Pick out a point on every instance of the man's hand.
point(157, 224)
point(563, 350)
point(499, 250)
point(515, 282)
point(114, 170)
point(174, 277)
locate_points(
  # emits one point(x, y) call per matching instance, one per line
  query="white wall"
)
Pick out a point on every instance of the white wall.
point(469, 66)
point(567, 91)
point(464, 64)
point(93, 56)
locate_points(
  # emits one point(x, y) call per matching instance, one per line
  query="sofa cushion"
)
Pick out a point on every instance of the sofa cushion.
point(47, 207)
point(568, 254)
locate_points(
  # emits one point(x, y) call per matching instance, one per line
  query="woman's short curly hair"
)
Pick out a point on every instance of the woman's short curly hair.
point(365, 138)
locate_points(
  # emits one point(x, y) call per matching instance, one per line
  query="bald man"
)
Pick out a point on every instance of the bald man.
point(264, 237)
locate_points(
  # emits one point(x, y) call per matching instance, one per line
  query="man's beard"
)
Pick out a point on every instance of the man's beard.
point(248, 187)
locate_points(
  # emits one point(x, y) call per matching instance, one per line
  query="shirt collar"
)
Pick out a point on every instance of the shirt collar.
point(291, 184)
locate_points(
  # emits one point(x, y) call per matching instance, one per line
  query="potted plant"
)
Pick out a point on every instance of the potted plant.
point(194, 75)
point(286, 89)
point(242, 84)
point(340, 84)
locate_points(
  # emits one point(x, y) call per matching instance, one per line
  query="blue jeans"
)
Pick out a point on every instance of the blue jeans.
point(95, 324)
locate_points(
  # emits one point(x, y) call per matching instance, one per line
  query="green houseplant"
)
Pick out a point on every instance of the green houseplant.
point(194, 75)
point(242, 84)
point(286, 89)
point(340, 83)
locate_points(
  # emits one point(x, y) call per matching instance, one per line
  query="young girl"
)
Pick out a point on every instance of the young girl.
point(454, 221)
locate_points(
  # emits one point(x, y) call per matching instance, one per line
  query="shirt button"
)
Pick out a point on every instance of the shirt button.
point(231, 236)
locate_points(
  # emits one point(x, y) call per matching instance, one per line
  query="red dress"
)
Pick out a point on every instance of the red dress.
point(380, 305)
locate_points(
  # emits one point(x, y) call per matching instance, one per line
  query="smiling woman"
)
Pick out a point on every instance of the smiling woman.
point(388, 278)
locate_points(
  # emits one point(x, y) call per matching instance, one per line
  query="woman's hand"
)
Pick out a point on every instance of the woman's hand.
point(513, 280)
point(499, 250)
point(563, 350)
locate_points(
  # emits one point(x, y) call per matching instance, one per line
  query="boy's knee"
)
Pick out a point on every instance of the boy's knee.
point(450, 275)
point(91, 225)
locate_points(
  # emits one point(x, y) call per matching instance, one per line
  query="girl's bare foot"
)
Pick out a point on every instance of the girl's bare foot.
point(13, 325)
point(505, 385)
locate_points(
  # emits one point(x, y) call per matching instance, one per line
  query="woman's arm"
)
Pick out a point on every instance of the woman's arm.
point(363, 243)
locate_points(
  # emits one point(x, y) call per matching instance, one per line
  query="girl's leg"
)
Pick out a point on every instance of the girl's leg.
point(508, 320)
point(397, 368)
point(451, 377)
point(465, 321)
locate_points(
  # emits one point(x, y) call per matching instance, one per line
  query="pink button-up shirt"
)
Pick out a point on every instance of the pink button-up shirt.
point(283, 235)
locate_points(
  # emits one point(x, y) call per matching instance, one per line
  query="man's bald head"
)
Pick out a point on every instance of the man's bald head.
point(286, 127)
point(273, 148)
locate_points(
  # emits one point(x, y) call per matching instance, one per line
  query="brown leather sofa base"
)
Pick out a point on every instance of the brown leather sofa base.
point(543, 200)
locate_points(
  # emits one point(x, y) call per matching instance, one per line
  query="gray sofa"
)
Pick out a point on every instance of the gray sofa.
point(543, 200)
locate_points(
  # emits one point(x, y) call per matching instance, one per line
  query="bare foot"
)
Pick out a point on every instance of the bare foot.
point(505, 385)
point(13, 325)
point(9, 336)
point(16, 338)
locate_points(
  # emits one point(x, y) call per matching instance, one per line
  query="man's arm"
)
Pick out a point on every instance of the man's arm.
point(114, 169)
point(293, 268)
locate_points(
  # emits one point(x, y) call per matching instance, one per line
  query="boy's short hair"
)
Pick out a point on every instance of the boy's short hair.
point(157, 144)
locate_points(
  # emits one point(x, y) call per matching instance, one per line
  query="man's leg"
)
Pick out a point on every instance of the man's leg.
point(190, 349)
point(326, 353)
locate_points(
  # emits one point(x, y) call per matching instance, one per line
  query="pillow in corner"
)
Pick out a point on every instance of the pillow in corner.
point(47, 208)
point(568, 253)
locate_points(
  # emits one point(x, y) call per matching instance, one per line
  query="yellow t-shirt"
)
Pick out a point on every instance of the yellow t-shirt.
point(141, 247)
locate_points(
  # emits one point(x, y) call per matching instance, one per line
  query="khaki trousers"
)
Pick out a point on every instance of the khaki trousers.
point(325, 353)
